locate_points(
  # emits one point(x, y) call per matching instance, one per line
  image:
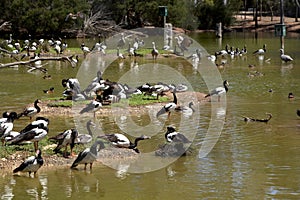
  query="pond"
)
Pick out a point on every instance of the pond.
point(249, 160)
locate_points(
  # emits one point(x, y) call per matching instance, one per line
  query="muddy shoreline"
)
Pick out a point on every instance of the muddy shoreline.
point(106, 155)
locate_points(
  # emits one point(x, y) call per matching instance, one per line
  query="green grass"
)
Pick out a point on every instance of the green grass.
point(135, 100)
point(139, 100)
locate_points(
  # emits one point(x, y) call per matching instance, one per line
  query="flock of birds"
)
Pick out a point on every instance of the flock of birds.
point(100, 92)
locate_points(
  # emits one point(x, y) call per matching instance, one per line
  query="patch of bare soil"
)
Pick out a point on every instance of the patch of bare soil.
point(265, 24)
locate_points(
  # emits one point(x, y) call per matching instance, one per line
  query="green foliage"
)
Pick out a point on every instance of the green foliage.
point(49, 17)
point(211, 12)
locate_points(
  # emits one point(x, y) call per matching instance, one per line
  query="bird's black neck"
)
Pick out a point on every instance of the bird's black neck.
point(133, 145)
point(225, 86)
point(39, 158)
point(88, 127)
point(36, 106)
point(174, 98)
point(191, 107)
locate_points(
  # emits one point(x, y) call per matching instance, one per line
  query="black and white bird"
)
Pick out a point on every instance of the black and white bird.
point(169, 107)
point(65, 139)
point(284, 57)
point(186, 110)
point(121, 141)
point(176, 144)
point(173, 136)
point(4, 117)
point(89, 155)
point(219, 90)
point(154, 51)
point(94, 106)
point(34, 135)
point(85, 138)
point(85, 49)
point(39, 120)
point(31, 164)
point(7, 127)
point(260, 51)
point(31, 111)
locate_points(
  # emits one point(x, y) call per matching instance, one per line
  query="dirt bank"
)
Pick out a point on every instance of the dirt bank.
point(265, 24)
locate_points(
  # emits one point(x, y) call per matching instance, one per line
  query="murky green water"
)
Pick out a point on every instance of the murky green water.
point(250, 160)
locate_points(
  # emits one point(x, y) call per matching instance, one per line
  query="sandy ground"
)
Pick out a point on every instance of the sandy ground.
point(50, 161)
point(264, 24)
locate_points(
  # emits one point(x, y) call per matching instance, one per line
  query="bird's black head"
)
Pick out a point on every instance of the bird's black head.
point(90, 123)
point(5, 114)
point(170, 129)
point(42, 118)
point(144, 137)
point(37, 101)
point(13, 115)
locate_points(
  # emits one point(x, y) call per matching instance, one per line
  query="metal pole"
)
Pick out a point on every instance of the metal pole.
point(256, 13)
point(282, 23)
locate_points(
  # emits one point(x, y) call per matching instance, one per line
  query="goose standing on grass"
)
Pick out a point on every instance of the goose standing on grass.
point(31, 164)
point(298, 112)
point(260, 51)
point(64, 139)
point(89, 155)
point(219, 90)
point(284, 57)
point(34, 135)
point(39, 120)
point(31, 111)
point(7, 127)
point(121, 141)
point(154, 51)
point(86, 138)
point(169, 107)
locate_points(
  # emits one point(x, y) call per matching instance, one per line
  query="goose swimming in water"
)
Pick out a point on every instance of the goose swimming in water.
point(219, 90)
point(169, 107)
point(89, 155)
point(31, 111)
point(260, 51)
point(186, 110)
point(64, 139)
point(173, 136)
point(177, 144)
point(284, 57)
point(121, 141)
point(31, 164)
point(248, 119)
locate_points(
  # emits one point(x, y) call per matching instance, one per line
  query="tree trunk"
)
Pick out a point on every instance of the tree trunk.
point(63, 58)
